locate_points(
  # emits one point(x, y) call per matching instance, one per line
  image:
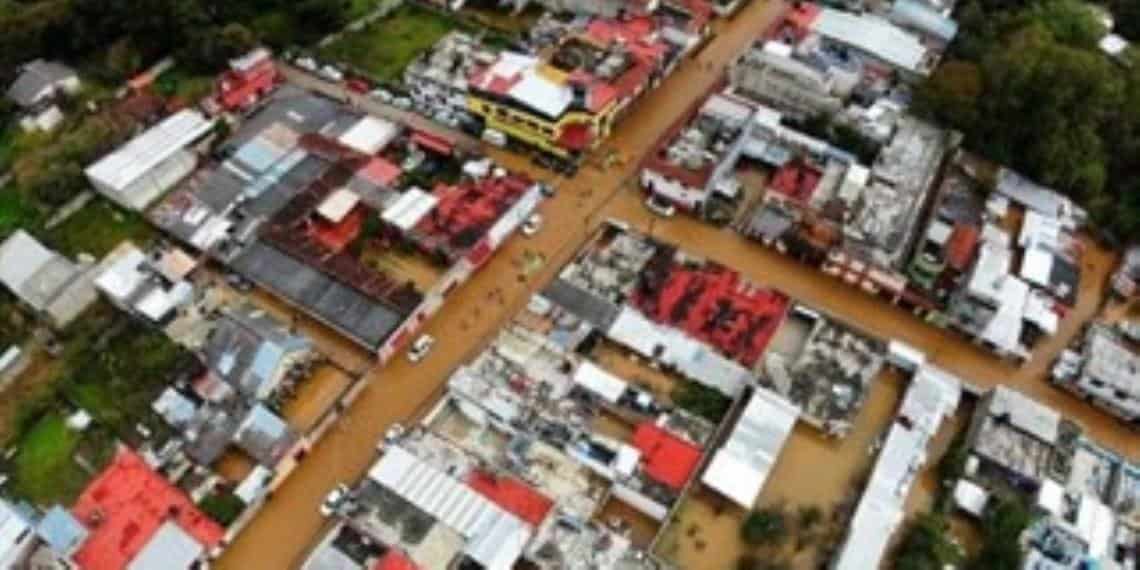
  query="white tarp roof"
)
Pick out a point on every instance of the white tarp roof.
point(1051, 497)
point(409, 208)
point(338, 204)
point(495, 538)
point(741, 466)
point(369, 135)
point(970, 497)
point(131, 161)
point(593, 378)
point(1037, 265)
point(875, 36)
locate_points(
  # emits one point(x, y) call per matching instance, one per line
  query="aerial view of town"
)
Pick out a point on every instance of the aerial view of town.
point(570, 284)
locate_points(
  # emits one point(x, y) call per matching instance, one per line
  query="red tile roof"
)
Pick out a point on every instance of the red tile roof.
point(394, 560)
point(667, 459)
point(124, 507)
point(434, 143)
point(961, 245)
point(796, 180)
point(512, 495)
point(576, 136)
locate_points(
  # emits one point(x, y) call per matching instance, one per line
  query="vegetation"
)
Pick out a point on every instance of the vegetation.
point(1026, 84)
point(765, 527)
point(96, 229)
point(926, 545)
point(132, 33)
point(224, 507)
point(43, 470)
point(701, 400)
point(1002, 527)
point(385, 47)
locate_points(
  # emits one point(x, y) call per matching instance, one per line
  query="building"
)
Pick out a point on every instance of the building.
point(1105, 370)
point(248, 80)
point(254, 353)
point(151, 286)
point(740, 467)
point(919, 17)
point(567, 103)
point(16, 537)
point(137, 520)
point(56, 288)
point(772, 75)
point(37, 87)
point(1014, 437)
point(879, 46)
point(141, 171)
point(1126, 280)
point(597, 8)
point(931, 398)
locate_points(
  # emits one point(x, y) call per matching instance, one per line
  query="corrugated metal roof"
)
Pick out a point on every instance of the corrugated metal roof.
point(873, 35)
point(133, 160)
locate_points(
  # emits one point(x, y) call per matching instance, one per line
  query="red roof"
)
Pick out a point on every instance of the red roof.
point(124, 507)
point(336, 236)
point(668, 459)
point(961, 245)
point(576, 136)
point(394, 560)
point(512, 495)
point(432, 142)
point(380, 171)
point(796, 180)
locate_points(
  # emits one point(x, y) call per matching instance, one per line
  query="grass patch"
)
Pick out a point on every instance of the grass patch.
point(384, 48)
point(16, 212)
point(44, 470)
point(96, 229)
point(178, 83)
point(223, 507)
point(701, 400)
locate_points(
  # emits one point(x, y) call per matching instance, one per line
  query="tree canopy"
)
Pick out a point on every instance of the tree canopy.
point(1028, 87)
point(200, 32)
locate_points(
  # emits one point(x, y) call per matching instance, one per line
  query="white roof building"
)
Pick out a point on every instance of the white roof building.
point(370, 135)
point(494, 537)
point(409, 208)
point(875, 36)
point(739, 469)
point(141, 171)
point(44, 279)
point(598, 381)
point(932, 396)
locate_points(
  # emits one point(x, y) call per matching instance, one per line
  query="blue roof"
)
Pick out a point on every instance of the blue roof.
point(921, 16)
point(61, 531)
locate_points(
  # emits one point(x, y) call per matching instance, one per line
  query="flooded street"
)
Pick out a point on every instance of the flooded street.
point(812, 467)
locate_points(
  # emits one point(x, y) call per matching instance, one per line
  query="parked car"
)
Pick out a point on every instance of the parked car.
point(331, 73)
point(420, 348)
point(497, 138)
point(532, 224)
point(546, 189)
point(391, 435)
point(306, 63)
point(383, 95)
point(660, 206)
point(357, 85)
point(334, 499)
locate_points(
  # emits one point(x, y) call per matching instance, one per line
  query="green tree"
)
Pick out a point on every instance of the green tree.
point(1002, 527)
point(926, 545)
point(764, 527)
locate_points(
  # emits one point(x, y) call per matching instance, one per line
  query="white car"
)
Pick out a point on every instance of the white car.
point(332, 74)
point(660, 206)
point(306, 63)
point(532, 225)
point(391, 435)
point(420, 348)
point(334, 499)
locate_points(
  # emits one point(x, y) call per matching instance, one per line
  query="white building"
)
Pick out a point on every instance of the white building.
point(145, 168)
point(740, 467)
point(45, 280)
point(16, 537)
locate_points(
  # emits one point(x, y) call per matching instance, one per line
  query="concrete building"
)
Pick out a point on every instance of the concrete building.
point(772, 75)
point(1014, 437)
point(141, 171)
point(884, 46)
point(1105, 370)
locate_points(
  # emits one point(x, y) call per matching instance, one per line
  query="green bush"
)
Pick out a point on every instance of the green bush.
point(223, 507)
point(764, 527)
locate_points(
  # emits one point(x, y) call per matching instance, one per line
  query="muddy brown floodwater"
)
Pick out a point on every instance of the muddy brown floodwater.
point(282, 533)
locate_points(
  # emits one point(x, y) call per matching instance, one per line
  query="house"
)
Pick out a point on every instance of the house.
point(1105, 371)
point(740, 467)
point(140, 284)
point(146, 167)
point(1014, 437)
point(249, 78)
point(254, 353)
point(56, 288)
point(37, 87)
point(1126, 280)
